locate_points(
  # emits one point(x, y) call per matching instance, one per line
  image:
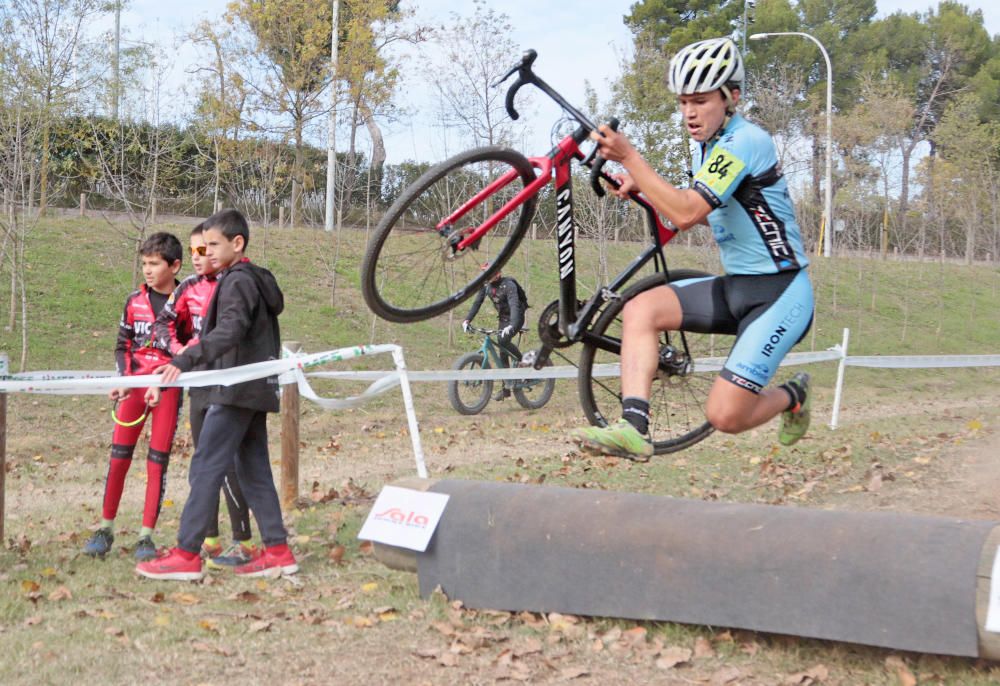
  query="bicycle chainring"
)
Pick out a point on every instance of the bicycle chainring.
point(548, 327)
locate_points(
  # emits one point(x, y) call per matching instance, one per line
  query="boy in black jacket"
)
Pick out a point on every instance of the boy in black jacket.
point(240, 327)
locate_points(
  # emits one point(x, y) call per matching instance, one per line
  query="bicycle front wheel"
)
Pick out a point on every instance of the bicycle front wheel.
point(677, 402)
point(412, 270)
point(470, 397)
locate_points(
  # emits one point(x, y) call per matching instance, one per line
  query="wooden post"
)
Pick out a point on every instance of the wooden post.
point(281, 216)
point(83, 204)
point(290, 437)
point(4, 366)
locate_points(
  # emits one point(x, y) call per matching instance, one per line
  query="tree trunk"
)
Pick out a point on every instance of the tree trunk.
point(378, 149)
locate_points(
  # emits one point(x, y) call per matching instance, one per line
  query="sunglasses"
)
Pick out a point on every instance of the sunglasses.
point(200, 250)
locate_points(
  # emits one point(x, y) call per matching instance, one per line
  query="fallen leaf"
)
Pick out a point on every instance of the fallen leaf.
point(29, 586)
point(162, 620)
point(369, 587)
point(260, 626)
point(703, 648)
point(568, 673)
point(448, 659)
point(33, 620)
point(635, 635)
point(814, 675)
point(114, 631)
point(184, 598)
point(337, 554)
point(895, 664)
point(726, 675)
point(245, 597)
point(209, 625)
point(673, 656)
point(427, 653)
point(61, 593)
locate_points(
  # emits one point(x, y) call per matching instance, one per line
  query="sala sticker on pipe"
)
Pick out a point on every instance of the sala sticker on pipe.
point(404, 518)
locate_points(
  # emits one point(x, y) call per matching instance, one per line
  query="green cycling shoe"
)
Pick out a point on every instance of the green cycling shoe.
point(620, 439)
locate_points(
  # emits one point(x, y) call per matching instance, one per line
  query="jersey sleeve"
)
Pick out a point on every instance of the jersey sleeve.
point(720, 175)
point(171, 318)
point(476, 304)
point(123, 345)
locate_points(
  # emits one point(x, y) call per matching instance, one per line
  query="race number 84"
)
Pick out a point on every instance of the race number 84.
point(720, 171)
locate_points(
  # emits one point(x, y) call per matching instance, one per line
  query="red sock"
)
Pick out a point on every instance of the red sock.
point(186, 554)
point(114, 485)
point(156, 477)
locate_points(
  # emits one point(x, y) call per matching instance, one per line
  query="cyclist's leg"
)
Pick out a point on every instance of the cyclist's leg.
point(692, 304)
point(768, 329)
point(509, 353)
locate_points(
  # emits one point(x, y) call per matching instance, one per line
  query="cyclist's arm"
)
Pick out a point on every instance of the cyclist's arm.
point(476, 304)
point(683, 207)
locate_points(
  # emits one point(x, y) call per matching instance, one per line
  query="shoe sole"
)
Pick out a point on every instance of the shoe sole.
point(599, 449)
point(272, 572)
point(172, 576)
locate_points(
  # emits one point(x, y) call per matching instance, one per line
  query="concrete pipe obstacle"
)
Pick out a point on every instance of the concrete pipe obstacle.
point(899, 581)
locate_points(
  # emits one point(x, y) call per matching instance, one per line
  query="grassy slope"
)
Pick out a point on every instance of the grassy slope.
point(80, 272)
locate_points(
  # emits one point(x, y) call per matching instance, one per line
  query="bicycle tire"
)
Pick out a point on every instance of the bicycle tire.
point(484, 387)
point(410, 272)
point(545, 388)
point(677, 416)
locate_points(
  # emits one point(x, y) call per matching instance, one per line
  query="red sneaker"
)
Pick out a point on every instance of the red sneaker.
point(173, 565)
point(270, 563)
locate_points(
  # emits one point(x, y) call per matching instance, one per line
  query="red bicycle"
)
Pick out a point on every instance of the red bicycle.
point(424, 259)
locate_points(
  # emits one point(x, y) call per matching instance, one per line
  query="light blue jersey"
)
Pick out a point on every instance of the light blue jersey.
point(753, 220)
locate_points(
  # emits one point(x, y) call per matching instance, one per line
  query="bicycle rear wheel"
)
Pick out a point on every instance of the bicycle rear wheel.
point(532, 394)
point(470, 397)
point(677, 402)
point(411, 270)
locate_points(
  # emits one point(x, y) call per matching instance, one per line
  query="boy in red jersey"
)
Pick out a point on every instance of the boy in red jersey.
point(177, 327)
point(137, 352)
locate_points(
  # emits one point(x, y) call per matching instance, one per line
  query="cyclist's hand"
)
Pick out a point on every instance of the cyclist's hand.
point(628, 185)
point(466, 326)
point(119, 393)
point(612, 146)
point(152, 397)
point(507, 331)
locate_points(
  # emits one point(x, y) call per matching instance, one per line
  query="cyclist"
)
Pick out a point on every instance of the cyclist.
point(508, 298)
point(765, 297)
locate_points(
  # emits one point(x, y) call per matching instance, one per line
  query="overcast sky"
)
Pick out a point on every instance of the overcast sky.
point(577, 41)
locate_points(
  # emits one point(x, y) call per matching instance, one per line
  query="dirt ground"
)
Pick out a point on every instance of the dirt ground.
point(358, 622)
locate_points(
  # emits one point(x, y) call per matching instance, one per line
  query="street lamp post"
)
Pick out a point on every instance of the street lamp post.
point(828, 211)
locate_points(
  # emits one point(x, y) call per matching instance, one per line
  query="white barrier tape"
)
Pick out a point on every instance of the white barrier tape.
point(95, 383)
point(923, 361)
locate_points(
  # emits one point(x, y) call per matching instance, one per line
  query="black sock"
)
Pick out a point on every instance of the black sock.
point(636, 412)
point(795, 392)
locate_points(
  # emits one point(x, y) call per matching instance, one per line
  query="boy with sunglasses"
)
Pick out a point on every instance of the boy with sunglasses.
point(178, 327)
point(138, 352)
point(240, 327)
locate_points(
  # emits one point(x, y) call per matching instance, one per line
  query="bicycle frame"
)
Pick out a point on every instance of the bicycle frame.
point(555, 167)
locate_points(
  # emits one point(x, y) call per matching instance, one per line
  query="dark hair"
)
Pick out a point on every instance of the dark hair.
point(163, 244)
point(198, 230)
point(231, 223)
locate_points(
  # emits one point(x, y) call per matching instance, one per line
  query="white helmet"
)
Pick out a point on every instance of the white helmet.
point(705, 66)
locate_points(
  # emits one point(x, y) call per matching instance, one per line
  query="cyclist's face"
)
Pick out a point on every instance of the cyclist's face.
point(703, 113)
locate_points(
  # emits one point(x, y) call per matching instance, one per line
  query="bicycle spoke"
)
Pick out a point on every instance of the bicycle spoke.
point(412, 270)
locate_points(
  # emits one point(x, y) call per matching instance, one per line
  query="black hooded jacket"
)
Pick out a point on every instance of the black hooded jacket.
point(240, 327)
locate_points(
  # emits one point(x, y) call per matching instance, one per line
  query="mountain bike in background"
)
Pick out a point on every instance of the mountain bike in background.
point(472, 396)
point(425, 255)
